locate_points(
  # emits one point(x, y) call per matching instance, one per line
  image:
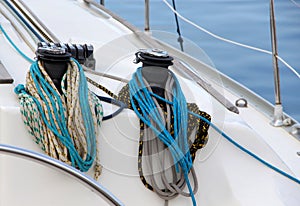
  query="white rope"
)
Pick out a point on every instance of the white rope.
point(296, 4)
point(230, 41)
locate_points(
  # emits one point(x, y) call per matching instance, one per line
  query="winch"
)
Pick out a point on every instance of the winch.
point(56, 56)
point(155, 68)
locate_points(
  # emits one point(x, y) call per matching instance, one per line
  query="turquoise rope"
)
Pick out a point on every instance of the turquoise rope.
point(178, 144)
point(15, 47)
point(41, 83)
point(86, 110)
point(247, 151)
point(54, 97)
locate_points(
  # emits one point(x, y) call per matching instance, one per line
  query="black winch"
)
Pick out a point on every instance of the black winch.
point(153, 57)
point(155, 68)
point(56, 56)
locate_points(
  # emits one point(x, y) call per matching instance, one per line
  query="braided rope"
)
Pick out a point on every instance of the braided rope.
point(154, 147)
point(64, 125)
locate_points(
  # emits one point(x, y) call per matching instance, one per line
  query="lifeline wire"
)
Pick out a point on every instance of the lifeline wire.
point(64, 125)
point(180, 39)
point(230, 41)
point(296, 4)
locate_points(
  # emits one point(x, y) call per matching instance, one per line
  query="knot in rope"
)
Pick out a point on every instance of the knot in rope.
point(64, 125)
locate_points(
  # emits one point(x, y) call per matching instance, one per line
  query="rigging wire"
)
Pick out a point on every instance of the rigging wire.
point(180, 39)
point(296, 4)
point(230, 41)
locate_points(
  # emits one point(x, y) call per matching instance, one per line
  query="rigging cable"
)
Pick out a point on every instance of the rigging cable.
point(294, 2)
point(180, 39)
point(230, 41)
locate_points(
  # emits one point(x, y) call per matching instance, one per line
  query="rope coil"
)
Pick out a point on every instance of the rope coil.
point(64, 125)
point(169, 136)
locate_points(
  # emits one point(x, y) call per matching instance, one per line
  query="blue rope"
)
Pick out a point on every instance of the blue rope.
point(15, 47)
point(178, 145)
point(247, 151)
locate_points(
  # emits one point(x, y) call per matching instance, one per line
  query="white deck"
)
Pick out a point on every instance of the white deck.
point(226, 175)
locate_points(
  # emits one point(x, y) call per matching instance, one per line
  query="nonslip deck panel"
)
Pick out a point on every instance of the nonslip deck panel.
point(5, 78)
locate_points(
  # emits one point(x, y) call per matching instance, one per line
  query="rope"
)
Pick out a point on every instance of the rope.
point(294, 179)
point(14, 45)
point(23, 20)
point(121, 105)
point(180, 39)
point(171, 133)
point(103, 88)
point(64, 125)
point(230, 41)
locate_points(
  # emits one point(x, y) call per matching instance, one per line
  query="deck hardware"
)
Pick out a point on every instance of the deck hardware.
point(155, 68)
point(295, 131)
point(278, 118)
point(241, 102)
point(61, 167)
point(55, 61)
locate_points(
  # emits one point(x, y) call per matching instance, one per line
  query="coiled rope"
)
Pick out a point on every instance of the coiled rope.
point(64, 125)
point(172, 137)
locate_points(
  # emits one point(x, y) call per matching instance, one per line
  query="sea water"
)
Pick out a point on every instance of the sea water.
point(244, 21)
